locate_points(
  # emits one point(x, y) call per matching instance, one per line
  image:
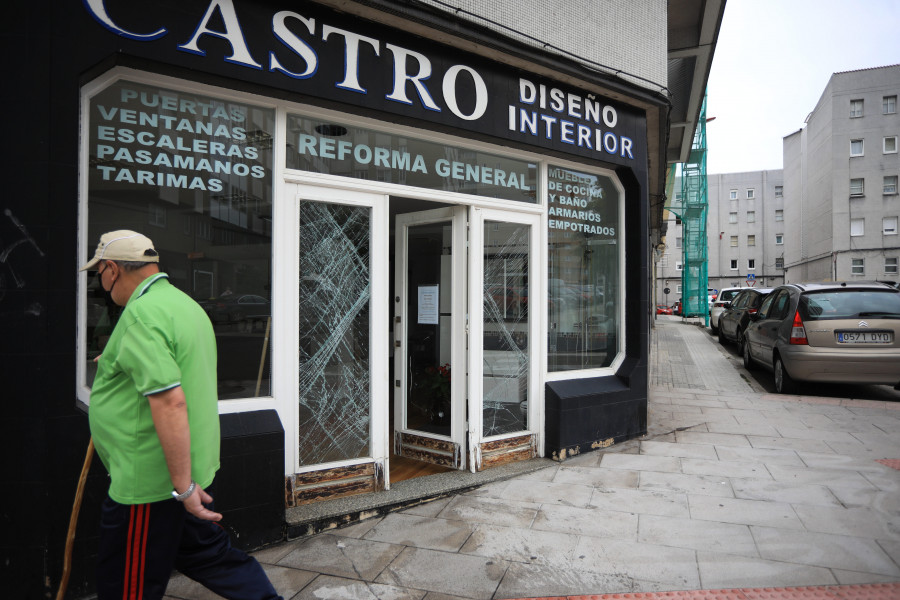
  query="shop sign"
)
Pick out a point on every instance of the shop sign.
point(334, 56)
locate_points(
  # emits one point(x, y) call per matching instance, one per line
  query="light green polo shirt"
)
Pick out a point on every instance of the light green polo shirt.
point(162, 340)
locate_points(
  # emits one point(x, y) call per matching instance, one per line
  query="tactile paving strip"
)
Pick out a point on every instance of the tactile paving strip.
point(875, 591)
point(893, 463)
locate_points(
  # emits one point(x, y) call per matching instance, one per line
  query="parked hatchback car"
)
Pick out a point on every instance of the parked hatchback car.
point(735, 318)
point(662, 309)
point(843, 332)
point(720, 303)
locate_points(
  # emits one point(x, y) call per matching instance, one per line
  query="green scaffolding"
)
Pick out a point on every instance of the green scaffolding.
point(691, 206)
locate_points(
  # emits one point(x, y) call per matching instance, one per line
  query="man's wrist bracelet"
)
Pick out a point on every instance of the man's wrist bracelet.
point(186, 493)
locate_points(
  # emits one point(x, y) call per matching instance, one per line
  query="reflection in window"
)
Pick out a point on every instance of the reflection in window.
point(583, 307)
point(506, 348)
point(194, 174)
point(335, 290)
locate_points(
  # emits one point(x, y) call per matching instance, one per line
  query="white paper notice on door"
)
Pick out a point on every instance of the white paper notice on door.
point(429, 296)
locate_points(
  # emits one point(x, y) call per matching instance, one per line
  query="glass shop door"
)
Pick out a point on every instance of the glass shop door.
point(430, 303)
point(504, 401)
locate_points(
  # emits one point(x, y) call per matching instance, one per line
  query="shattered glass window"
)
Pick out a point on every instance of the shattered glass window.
point(335, 290)
point(506, 344)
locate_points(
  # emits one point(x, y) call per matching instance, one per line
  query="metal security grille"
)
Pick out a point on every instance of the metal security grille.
point(692, 206)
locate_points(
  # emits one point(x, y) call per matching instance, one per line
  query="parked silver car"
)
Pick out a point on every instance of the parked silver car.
point(843, 332)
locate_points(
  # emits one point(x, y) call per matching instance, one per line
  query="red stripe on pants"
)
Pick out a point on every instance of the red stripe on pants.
point(138, 524)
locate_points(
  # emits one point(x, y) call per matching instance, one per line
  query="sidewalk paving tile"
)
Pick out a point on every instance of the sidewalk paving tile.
point(745, 512)
point(342, 556)
point(824, 550)
point(336, 588)
point(423, 532)
point(697, 535)
point(678, 482)
point(665, 503)
point(451, 573)
point(676, 568)
point(596, 477)
point(586, 521)
point(778, 491)
point(726, 570)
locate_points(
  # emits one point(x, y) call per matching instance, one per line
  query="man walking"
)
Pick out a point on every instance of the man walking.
point(155, 425)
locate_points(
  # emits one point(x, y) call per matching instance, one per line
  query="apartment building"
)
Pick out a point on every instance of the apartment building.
point(745, 234)
point(840, 179)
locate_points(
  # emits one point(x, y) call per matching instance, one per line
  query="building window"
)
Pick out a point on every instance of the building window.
point(857, 266)
point(732, 195)
point(857, 147)
point(890, 185)
point(751, 193)
point(890, 144)
point(857, 187)
point(779, 239)
point(214, 232)
point(678, 242)
point(734, 264)
point(732, 217)
point(889, 105)
point(679, 266)
point(751, 264)
point(751, 240)
point(734, 241)
point(856, 109)
point(678, 289)
point(596, 277)
point(889, 225)
point(678, 220)
point(751, 216)
point(779, 191)
point(857, 227)
point(890, 265)
point(779, 215)
point(779, 263)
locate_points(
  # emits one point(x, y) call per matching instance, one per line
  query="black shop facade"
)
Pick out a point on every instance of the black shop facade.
point(411, 255)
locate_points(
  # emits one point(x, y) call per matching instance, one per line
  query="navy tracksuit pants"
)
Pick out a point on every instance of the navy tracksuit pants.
point(140, 544)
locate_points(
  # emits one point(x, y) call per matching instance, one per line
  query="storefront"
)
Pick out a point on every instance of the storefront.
point(408, 251)
point(391, 290)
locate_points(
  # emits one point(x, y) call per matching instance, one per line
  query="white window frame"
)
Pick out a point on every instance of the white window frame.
point(889, 185)
point(857, 227)
point(889, 140)
point(862, 147)
point(678, 265)
point(779, 191)
point(751, 264)
point(779, 239)
point(779, 215)
point(889, 105)
point(751, 240)
point(890, 265)
point(732, 195)
point(889, 226)
point(732, 217)
point(734, 264)
point(857, 187)
point(751, 193)
point(734, 241)
point(856, 108)
point(857, 266)
point(779, 262)
point(751, 216)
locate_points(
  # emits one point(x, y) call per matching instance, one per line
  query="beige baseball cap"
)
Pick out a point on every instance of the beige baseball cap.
point(123, 245)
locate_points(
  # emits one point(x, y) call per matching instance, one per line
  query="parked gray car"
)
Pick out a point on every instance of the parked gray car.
point(736, 316)
point(842, 332)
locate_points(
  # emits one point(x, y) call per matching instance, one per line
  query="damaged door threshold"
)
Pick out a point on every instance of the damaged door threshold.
point(310, 519)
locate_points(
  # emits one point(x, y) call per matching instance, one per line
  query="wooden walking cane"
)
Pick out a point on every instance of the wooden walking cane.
point(73, 522)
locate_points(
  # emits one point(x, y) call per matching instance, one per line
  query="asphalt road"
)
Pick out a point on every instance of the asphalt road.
point(764, 379)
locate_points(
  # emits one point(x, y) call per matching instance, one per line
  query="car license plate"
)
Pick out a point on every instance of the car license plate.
point(864, 337)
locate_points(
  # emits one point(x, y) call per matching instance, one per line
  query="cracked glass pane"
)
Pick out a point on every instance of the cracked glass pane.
point(506, 348)
point(334, 332)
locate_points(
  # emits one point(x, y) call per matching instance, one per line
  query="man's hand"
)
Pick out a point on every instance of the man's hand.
point(194, 505)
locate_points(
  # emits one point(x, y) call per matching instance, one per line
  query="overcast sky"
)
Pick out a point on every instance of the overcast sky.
point(774, 58)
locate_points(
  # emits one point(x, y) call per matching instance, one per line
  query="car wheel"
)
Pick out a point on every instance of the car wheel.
point(722, 339)
point(784, 383)
point(745, 353)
